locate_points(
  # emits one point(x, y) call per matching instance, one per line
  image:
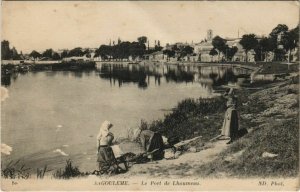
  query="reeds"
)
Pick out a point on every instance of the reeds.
point(68, 172)
point(15, 171)
point(40, 173)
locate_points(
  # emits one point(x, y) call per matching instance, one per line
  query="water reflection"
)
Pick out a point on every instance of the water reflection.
point(5, 80)
point(8, 76)
point(124, 74)
point(141, 75)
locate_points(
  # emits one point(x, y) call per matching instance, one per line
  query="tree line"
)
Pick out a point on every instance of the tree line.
point(121, 50)
point(126, 49)
point(280, 41)
point(49, 54)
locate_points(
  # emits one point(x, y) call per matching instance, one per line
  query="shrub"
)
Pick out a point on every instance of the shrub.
point(68, 172)
point(190, 118)
point(14, 171)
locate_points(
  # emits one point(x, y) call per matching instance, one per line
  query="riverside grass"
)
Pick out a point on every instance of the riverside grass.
point(277, 133)
point(192, 118)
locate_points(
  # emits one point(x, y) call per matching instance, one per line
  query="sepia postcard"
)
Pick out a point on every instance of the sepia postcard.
point(150, 96)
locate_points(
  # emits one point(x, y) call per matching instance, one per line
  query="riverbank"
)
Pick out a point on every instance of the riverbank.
point(266, 112)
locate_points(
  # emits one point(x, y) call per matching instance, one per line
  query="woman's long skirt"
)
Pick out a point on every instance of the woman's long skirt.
point(231, 124)
point(106, 157)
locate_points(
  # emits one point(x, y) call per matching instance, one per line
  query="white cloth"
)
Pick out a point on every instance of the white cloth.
point(117, 151)
point(136, 133)
point(104, 130)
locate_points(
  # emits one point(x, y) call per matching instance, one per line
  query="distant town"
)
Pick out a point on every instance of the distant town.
point(281, 44)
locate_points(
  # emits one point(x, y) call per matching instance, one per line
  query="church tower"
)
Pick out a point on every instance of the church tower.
point(209, 35)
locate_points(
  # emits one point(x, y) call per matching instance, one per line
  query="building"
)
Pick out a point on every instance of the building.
point(155, 56)
point(75, 58)
point(203, 49)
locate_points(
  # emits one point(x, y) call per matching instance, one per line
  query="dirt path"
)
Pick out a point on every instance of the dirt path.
point(184, 166)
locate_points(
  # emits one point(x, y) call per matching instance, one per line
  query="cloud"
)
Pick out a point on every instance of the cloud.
point(6, 149)
point(4, 93)
point(60, 152)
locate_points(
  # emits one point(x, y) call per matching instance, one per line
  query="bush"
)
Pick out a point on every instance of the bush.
point(14, 171)
point(190, 119)
point(68, 172)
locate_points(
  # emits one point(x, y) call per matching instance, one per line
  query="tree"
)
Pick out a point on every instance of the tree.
point(64, 54)
point(248, 42)
point(5, 50)
point(264, 46)
point(169, 53)
point(212, 53)
point(87, 53)
point(276, 40)
point(55, 56)
point(230, 52)
point(137, 50)
point(295, 34)
point(48, 53)
point(124, 50)
point(219, 44)
point(14, 54)
point(142, 39)
point(158, 48)
point(76, 52)
point(280, 28)
point(35, 54)
point(290, 40)
point(186, 50)
point(104, 51)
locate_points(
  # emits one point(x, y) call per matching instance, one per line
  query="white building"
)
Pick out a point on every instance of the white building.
point(203, 49)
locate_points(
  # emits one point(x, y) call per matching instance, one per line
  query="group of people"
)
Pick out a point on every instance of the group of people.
point(152, 142)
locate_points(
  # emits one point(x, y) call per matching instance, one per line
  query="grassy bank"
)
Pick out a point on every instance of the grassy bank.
point(272, 119)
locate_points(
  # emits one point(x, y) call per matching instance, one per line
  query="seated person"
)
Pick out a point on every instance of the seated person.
point(152, 142)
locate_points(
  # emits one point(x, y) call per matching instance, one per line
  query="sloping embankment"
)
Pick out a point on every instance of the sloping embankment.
point(270, 149)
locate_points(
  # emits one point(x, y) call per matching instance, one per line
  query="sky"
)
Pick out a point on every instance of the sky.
point(33, 25)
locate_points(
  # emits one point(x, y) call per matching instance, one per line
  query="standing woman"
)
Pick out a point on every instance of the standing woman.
point(230, 126)
point(106, 158)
